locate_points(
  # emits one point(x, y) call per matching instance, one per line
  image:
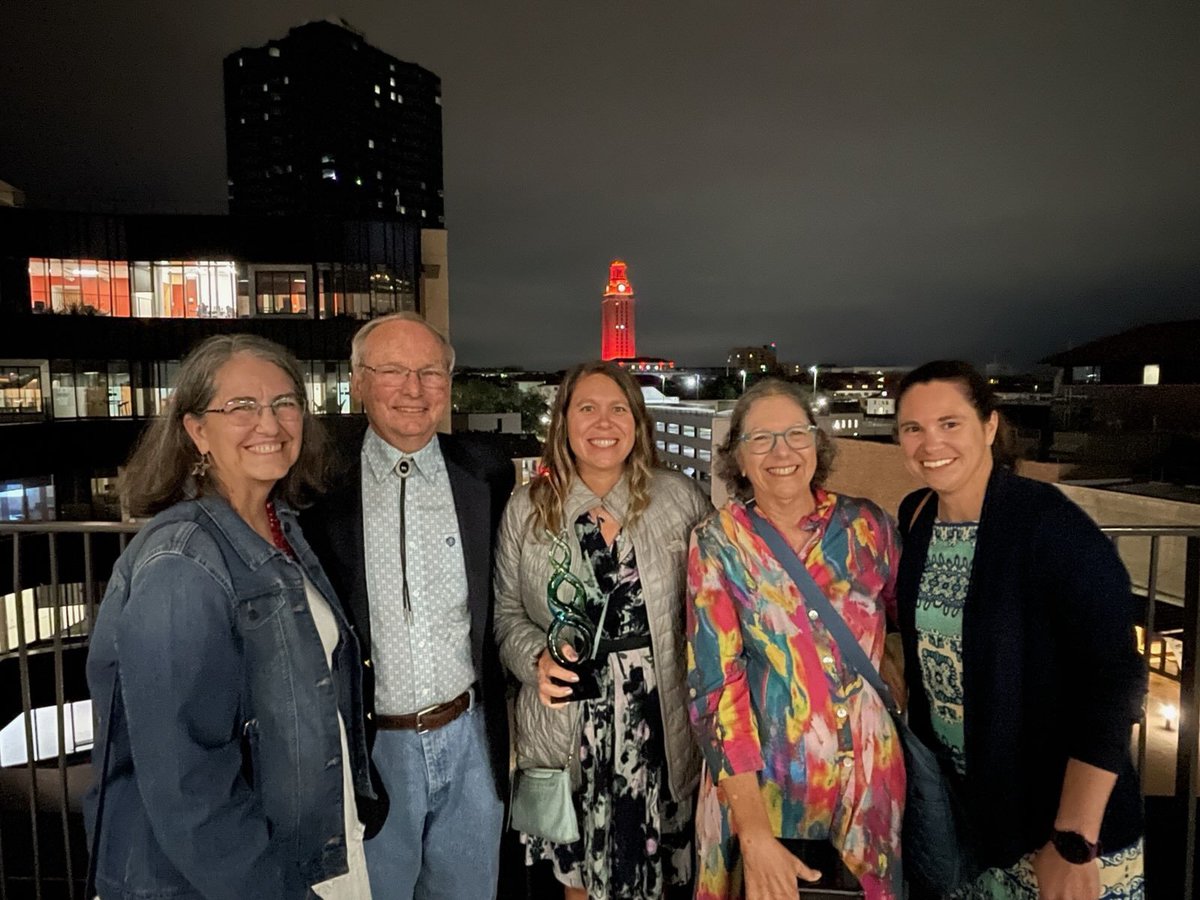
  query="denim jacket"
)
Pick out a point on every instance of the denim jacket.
point(225, 770)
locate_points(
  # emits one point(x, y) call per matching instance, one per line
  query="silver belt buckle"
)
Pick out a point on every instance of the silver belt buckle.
point(421, 729)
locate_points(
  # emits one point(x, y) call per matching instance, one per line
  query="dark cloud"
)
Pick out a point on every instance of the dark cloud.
point(869, 182)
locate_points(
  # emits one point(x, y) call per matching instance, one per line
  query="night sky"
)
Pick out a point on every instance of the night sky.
point(873, 183)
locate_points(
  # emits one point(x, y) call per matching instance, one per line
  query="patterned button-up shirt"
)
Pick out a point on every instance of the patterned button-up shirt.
point(428, 661)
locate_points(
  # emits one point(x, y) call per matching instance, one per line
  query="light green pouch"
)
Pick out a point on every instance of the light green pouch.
point(542, 805)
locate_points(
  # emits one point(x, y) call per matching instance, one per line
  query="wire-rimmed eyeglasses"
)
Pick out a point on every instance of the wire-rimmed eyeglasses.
point(798, 437)
point(394, 376)
point(288, 408)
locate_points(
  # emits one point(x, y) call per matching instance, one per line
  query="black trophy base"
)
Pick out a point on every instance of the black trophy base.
point(586, 688)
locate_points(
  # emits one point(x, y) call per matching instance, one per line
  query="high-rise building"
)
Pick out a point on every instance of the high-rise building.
point(617, 339)
point(320, 121)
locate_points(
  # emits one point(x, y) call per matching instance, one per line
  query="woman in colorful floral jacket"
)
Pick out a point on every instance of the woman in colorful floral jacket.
point(796, 746)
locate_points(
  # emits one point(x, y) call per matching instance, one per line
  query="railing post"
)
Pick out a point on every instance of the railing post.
point(1151, 592)
point(60, 702)
point(27, 710)
point(1189, 707)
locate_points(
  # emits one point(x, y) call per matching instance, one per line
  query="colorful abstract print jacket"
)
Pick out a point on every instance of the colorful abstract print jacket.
point(768, 688)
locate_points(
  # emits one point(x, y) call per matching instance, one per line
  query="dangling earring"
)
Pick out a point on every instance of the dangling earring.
point(200, 469)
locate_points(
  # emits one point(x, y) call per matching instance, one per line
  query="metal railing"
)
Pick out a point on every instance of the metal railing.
point(43, 619)
point(58, 570)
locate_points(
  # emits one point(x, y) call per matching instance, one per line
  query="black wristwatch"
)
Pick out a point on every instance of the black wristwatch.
point(1074, 847)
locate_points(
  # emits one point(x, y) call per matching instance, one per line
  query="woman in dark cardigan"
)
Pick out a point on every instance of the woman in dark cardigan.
point(1017, 623)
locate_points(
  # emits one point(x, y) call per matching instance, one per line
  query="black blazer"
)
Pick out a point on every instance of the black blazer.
point(1050, 669)
point(481, 479)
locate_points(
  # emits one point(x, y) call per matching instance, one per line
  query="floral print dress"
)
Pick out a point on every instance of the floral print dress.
point(635, 839)
point(771, 694)
point(940, 602)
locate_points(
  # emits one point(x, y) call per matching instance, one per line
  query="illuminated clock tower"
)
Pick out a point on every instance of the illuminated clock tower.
point(616, 315)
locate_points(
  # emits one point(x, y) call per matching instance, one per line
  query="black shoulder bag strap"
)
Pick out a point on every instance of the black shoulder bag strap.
point(852, 653)
point(89, 890)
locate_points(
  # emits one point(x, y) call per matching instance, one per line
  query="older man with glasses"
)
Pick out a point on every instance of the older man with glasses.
point(407, 540)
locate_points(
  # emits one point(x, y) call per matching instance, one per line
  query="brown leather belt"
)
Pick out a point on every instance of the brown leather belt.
point(430, 718)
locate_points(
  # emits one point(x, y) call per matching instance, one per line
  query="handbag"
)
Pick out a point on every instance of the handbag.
point(938, 856)
point(542, 803)
point(837, 882)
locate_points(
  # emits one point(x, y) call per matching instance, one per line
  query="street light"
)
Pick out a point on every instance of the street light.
point(743, 374)
point(694, 380)
point(812, 370)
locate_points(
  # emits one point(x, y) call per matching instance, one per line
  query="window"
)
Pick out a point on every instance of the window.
point(391, 82)
point(27, 500)
point(1085, 374)
point(689, 451)
point(660, 426)
point(672, 428)
point(672, 448)
point(20, 392)
point(329, 174)
point(370, 143)
point(84, 286)
point(328, 383)
point(661, 445)
point(689, 430)
point(281, 292)
point(703, 454)
point(377, 89)
point(705, 434)
point(1150, 374)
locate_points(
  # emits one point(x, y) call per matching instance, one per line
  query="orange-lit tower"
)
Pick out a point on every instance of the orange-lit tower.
point(617, 339)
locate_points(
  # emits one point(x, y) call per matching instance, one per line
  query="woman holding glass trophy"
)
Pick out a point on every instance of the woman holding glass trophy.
point(590, 579)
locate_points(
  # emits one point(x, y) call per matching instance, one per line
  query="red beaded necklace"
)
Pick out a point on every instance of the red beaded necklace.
point(277, 537)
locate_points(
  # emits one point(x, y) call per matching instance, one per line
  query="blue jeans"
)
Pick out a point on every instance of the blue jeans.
point(442, 834)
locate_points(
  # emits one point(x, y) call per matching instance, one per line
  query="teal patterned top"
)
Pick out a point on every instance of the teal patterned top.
point(940, 601)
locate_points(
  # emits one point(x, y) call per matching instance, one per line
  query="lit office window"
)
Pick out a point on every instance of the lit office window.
point(1150, 374)
point(705, 434)
point(152, 397)
point(689, 430)
point(81, 286)
point(273, 51)
point(328, 384)
point(281, 292)
point(20, 393)
point(184, 289)
point(672, 428)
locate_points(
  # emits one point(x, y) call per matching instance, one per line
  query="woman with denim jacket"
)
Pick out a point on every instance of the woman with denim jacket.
point(230, 741)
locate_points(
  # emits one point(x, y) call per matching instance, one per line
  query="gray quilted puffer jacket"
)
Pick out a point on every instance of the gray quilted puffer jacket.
point(544, 734)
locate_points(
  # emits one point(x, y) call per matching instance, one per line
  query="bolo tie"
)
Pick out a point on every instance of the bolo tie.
point(404, 468)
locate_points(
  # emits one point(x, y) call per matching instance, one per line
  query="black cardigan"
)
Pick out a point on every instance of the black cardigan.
point(1050, 668)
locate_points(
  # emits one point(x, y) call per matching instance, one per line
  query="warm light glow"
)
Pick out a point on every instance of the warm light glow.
point(1170, 714)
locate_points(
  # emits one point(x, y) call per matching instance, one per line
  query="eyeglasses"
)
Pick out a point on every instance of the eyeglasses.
point(245, 411)
point(395, 376)
point(798, 437)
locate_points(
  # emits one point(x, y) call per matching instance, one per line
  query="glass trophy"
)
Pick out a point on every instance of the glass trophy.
point(567, 599)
